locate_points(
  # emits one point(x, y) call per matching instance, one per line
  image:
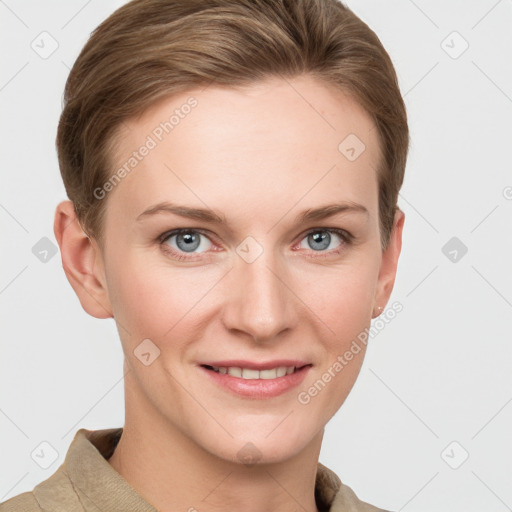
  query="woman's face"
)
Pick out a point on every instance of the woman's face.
point(248, 281)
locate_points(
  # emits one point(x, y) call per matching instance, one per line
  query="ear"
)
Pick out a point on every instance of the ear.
point(389, 263)
point(82, 262)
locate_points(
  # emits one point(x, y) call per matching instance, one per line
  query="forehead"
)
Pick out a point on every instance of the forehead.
point(273, 142)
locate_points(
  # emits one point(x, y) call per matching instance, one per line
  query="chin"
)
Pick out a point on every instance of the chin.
point(251, 447)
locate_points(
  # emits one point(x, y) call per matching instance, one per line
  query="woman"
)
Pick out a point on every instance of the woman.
point(233, 169)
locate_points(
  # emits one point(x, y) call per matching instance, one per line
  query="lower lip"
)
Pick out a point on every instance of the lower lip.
point(258, 388)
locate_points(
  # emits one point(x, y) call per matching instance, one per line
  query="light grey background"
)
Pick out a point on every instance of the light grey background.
point(439, 372)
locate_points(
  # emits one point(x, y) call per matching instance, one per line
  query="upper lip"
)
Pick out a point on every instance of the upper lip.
point(252, 365)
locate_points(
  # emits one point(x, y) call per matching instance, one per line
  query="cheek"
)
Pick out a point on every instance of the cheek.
point(344, 304)
point(149, 298)
point(342, 298)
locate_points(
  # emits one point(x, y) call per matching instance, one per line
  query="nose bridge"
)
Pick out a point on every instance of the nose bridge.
point(259, 303)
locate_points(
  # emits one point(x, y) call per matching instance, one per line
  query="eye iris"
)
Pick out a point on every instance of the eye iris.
point(324, 238)
point(190, 240)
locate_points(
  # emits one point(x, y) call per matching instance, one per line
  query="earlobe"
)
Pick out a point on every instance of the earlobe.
point(79, 260)
point(389, 263)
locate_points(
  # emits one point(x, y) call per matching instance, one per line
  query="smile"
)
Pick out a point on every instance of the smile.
point(250, 374)
point(253, 383)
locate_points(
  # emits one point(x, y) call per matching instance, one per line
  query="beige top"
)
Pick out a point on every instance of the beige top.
point(86, 482)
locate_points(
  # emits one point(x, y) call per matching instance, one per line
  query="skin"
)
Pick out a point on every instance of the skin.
point(258, 156)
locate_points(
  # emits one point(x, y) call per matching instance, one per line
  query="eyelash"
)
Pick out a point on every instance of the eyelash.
point(345, 236)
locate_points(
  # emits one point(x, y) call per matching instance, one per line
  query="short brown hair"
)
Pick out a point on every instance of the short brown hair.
point(148, 49)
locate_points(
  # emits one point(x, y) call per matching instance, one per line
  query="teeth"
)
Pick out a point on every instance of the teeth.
point(267, 374)
point(234, 371)
point(249, 374)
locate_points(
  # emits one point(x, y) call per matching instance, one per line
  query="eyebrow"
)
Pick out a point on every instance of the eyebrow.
point(208, 215)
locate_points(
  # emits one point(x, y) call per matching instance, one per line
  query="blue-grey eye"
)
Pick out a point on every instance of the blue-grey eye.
point(188, 241)
point(320, 239)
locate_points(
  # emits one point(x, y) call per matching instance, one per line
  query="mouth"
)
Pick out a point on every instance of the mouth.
point(255, 374)
point(256, 382)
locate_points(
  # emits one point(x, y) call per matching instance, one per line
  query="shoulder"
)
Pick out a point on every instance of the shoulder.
point(346, 499)
point(25, 502)
point(335, 496)
point(55, 494)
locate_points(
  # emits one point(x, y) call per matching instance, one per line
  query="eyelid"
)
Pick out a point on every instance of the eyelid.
point(211, 236)
point(177, 231)
point(339, 231)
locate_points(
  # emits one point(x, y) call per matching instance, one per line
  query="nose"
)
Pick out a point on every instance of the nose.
point(259, 300)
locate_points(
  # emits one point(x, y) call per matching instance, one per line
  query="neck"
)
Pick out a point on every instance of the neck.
point(172, 472)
